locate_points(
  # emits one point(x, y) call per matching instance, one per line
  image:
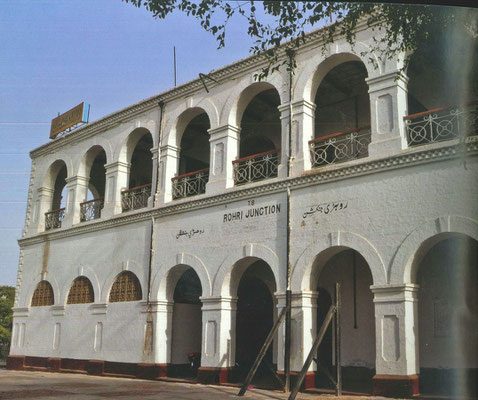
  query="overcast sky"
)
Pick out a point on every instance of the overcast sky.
point(55, 54)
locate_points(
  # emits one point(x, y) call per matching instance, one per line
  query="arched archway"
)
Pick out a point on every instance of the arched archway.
point(254, 318)
point(56, 183)
point(140, 158)
point(357, 323)
point(260, 138)
point(447, 274)
point(342, 115)
point(186, 330)
point(93, 167)
point(193, 166)
point(444, 111)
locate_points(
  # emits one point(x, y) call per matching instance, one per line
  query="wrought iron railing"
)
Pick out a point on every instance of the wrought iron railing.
point(256, 167)
point(134, 198)
point(91, 209)
point(340, 147)
point(190, 184)
point(442, 124)
point(54, 218)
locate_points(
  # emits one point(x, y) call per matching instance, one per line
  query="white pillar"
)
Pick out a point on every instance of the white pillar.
point(303, 130)
point(117, 175)
point(168, 166)
point(154, 177)
point(224, 142)
point(303, 332)
point(162, 328)
point(218, 336)
point(396, 333)
point(42, 205)
point(76, 191)
point(388, 106)
point(284, 110)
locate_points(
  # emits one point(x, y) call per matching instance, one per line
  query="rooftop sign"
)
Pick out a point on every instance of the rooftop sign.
point(76, 115)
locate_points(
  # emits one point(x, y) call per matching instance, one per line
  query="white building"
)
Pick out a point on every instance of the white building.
point(182, 245)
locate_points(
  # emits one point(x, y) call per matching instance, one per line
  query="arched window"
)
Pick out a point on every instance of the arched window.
point(43, 295)
point(126, 288)
point(81, 291)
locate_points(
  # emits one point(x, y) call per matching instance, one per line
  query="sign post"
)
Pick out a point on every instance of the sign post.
point(76, 115)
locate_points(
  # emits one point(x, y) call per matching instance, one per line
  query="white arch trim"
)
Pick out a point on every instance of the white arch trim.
point(302, 272)
point(243, 92)
point(124, 266)
point(402, 267)
point(223, 280)
point(178, 120)
point(159, 286)
point(87, 272)
point(52, 281)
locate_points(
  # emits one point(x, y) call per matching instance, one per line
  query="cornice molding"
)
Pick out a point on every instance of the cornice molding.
point(408, 158)
point(228, 72)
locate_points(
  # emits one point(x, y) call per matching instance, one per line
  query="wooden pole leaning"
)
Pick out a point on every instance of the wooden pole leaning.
point(262, 352)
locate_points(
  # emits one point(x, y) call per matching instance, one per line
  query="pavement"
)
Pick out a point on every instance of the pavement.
point(43, 386)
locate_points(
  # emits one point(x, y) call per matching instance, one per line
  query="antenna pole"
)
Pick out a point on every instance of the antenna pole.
point(174, 51)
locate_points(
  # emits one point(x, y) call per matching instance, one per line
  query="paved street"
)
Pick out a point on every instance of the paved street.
point(40, 385)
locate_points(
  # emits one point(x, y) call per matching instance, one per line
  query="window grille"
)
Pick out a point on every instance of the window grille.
point(126, 288)
point(81, 291)
point(43, 295)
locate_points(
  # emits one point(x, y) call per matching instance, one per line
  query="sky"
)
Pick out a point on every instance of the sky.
point(54, 54)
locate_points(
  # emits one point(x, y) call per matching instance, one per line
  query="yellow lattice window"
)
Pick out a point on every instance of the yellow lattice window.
point(43, 295)
point(125, 288)
point(81, 291)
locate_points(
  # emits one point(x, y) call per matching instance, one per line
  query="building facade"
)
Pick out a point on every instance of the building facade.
point(157, 239)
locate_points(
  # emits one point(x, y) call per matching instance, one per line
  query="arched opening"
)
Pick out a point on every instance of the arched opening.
point(260, 139)
point(81, 291)
point(357, 322)
point(448, 316)
point(193, 170)
point(342, 115)
point(57, 174)
point(442, 93)
point(254, 320)
point(141, 170)
point(43, 295)
point(95, 161)
point(186, 326)
point(126, 287)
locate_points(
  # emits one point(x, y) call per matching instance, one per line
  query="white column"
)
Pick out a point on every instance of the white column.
point(396, 329)
point(224, 143)
point(117, 175)
point(303, 130)
point(284, 110)
point(162, 328)
point(218, 331)
point(154, 177)
point(168, 167)
point(388, 106)
point(303, 329)
point(76, 191)
point(42, 205)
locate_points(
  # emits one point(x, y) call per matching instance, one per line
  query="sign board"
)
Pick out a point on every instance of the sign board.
point(72, 117)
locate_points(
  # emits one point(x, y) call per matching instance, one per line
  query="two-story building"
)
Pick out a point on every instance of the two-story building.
point(157, 239)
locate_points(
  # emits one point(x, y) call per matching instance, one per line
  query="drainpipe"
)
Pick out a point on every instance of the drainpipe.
point(151, 249)
point(288, 293)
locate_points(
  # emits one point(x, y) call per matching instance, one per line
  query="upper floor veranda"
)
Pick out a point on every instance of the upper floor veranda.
point(339, 108)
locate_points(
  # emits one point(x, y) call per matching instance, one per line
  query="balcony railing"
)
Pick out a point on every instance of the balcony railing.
point(256, 167)
point(54, 218)
point(442, 124)
point(91, 209)
point(135, 198)
point(190, 184)
point(340, 147)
